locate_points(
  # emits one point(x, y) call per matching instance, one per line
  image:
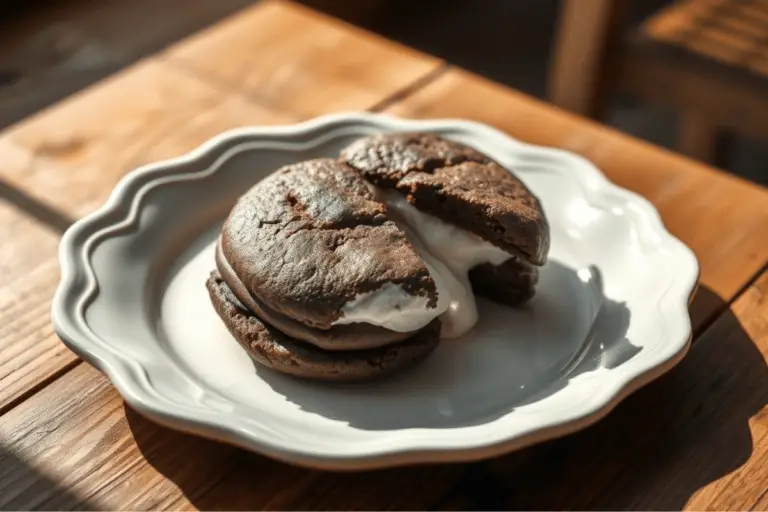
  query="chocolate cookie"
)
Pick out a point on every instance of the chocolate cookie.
point(274, 349)
point(311, 239)
point(351, 269)
point(458, 185)
point(511, 283)
point(339, 337)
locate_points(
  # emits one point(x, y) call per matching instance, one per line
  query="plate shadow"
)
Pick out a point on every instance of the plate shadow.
point(656, 449)
point(429, 400)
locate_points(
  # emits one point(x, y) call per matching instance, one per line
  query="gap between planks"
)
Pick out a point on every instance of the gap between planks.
point(715, 315)
point(411, 88)
point(758, 500)
point(41, 385)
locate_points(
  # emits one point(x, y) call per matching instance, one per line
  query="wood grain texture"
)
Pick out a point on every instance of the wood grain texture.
point(29, 352)
point(670, 445)
point(295, 60)
point(762, 502)
point(741, 106)
point(688, 53)
point(52, 459)
point(695, 50)
point(723, 219)
point(72, 157)
point(56, 47)
point(75, 446)
point(730, 32)
point(64, 163)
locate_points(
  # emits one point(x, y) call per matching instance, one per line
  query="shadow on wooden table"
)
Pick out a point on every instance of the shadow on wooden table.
point(215, 476)
point(655, 451)
point(45, 214)
point(24, 487)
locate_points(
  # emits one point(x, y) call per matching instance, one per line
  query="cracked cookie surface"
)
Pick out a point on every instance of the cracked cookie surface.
point(311, 237)
point(457, 184)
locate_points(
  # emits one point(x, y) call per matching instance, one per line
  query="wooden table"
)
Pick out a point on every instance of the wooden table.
point(697, 438)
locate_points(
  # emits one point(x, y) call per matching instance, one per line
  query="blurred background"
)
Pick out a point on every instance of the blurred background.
point(689, 75)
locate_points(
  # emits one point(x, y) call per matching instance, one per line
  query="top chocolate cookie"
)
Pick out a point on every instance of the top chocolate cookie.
point(457, 184)
point(311, 238)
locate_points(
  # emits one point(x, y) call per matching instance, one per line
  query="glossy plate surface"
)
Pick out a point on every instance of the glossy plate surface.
point(610, 313)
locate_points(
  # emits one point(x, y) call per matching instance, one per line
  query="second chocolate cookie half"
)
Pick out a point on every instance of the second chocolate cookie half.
point(466, 211)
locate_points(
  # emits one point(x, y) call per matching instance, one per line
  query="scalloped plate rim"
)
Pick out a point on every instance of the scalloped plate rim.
point(132, 382)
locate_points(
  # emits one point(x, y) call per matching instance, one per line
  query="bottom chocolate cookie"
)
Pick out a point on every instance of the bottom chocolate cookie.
point(512, 283)
point(275, 350)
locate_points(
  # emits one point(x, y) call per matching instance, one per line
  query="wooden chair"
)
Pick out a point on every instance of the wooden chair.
point(708, 59)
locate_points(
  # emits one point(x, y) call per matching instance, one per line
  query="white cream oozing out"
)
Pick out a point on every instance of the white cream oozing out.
point(449, 253)
point(389, 306)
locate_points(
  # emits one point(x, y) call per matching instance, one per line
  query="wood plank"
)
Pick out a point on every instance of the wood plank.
point(83, 147)
point(413, 488)
point(674, 22)
point(29, 352)
point(93, 143)
point(74, 445)
point(320, 65)
point(695, 439)
point(693, 51)
point(53, 458)
point(86, 144)
point(656, 74)
point(726, 31)
point(59, 46)
point(762, 502)
point(71, 157)
point(722, 218)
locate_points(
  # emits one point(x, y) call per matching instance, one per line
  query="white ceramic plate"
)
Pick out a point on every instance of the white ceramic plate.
point(610, 314)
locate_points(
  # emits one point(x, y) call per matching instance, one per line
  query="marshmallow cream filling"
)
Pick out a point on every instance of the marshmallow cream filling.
point(449, 253)
point(389, 306)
